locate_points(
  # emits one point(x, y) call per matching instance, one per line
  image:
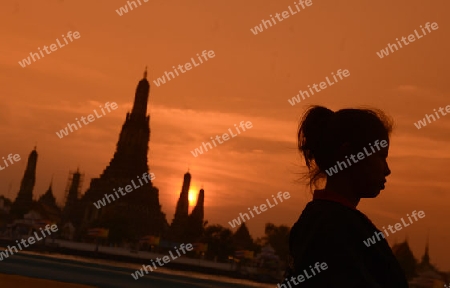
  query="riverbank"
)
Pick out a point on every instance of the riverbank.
point(121, 257)
point(89, 272)
point(17, 281)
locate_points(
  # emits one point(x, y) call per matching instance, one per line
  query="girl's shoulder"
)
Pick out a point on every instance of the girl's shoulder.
point(328, 218)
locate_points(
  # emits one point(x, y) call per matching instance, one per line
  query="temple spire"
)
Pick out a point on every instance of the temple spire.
point(180, 220)
point(195, 227)
point(426, 256)
point(139, 110)
point(24, 199)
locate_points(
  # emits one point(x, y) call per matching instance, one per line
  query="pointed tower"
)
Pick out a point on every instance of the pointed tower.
point(47, 205)
point(183, 202)
point(181, 217)
point(426, 256)
point(48, 198)
point(141, 98)
point(24, 200)
point(72, 195)
point(130, 158)
point(196, 218)
point(425, 264)
point(198, 211)
point(405, 258)
point(137, 213)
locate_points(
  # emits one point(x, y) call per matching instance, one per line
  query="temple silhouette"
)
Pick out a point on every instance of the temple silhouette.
point(24, 199)
point(420, 274)
point(139, 210)
point(185, 227)
point(130, 217)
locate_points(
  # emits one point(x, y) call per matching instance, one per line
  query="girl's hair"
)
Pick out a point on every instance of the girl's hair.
point(322, 132)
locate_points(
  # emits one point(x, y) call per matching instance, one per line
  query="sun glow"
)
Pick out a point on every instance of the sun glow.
point(192, 197)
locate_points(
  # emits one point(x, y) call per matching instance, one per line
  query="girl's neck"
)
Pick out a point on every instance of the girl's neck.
point(345, 193)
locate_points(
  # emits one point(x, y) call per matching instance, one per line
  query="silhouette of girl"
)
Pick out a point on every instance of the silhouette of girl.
point(330, 229)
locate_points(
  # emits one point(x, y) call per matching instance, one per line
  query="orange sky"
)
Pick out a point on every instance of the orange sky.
point(250, 78)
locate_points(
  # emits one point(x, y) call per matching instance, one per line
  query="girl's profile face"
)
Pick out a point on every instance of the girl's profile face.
point(370, 175)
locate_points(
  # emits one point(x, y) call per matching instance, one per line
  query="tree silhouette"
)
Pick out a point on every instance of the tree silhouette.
point(242, 239)
point(278, 238)
point(219, 241)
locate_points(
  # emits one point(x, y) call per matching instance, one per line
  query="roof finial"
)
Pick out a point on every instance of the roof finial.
point(145, 72)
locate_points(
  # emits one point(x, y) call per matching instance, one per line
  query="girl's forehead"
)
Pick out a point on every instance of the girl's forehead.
point(382, 135)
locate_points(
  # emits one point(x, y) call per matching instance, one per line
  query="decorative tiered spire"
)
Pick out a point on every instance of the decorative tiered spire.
point(24, 199)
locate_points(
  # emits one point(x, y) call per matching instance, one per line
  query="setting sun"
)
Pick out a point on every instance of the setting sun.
point(192, 197)
point(117, 187)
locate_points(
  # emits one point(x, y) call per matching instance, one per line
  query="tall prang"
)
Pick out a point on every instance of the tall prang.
point(48, 198)
point(426, 255)
point(137, 213)
point(196, 219)
point(71, 210)
point(425, 264)
point(406, 258)
point(24, 199)
point(130, 157)
point(47, 207)
point(182, 209)
point(180, 222)
point(198, 212)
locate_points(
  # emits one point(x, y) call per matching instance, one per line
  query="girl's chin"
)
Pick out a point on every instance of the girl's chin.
point(371, 193)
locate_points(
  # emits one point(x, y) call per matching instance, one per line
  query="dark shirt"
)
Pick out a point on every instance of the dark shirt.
point(332, 232)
